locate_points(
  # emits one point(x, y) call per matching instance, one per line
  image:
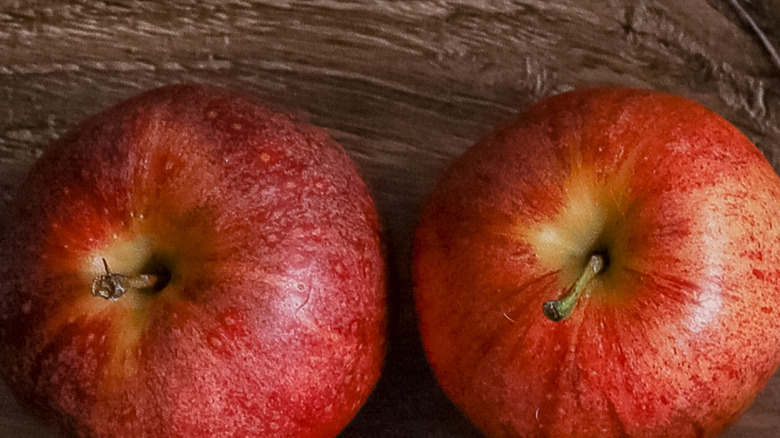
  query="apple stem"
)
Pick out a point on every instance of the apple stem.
point(112, 286)
point(562, 308)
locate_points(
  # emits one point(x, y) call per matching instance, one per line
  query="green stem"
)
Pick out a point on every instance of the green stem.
point(562, 308)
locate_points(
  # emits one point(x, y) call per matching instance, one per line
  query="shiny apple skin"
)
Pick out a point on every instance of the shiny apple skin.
point(673, 339)
point(273, 321)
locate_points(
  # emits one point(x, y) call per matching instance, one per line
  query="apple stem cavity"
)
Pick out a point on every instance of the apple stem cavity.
point(113, 286)
point(562, 308)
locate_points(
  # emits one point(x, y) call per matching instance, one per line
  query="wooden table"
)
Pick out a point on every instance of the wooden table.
point(405, 86)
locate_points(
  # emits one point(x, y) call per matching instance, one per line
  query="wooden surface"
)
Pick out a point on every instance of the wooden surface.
point(405, 86)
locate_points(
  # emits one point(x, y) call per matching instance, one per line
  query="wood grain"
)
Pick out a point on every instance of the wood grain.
point(405, 86)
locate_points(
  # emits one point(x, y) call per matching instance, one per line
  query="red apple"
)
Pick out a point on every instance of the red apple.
point(190, 263)
point(647, 227)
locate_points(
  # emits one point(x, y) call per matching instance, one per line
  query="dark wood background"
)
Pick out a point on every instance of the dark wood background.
point(405, 86)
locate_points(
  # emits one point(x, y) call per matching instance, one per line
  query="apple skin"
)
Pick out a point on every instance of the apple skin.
point(673, 338)
point(271, 318)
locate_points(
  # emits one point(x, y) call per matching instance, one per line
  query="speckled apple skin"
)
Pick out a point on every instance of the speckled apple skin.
point(679, 333)
point(273, 321)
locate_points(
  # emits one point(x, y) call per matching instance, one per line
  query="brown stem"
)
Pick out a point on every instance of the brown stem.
point(562, 308)
point(112, 286)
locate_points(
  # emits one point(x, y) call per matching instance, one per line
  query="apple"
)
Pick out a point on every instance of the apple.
point(191, 263)
point(605, 265)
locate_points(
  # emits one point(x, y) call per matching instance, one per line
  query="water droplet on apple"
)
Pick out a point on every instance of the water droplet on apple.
point(215, 342)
